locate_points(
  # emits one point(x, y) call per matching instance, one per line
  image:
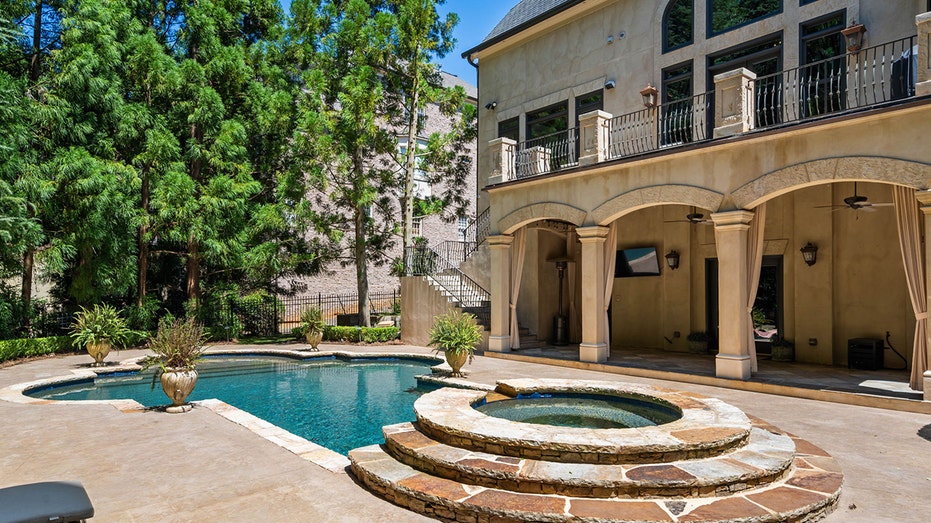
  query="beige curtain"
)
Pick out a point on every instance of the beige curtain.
point(610, 253)
point(575, 319)
point(518, 249)
point(755, 259)
point(908, 218)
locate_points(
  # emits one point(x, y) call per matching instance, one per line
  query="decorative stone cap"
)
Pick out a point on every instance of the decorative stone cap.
point(708, 426)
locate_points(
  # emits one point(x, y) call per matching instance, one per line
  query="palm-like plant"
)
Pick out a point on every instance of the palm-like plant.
point(100, 324)
point(178, 344)
point(456, 334)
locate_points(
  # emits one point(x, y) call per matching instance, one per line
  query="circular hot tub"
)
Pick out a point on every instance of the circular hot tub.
point(584, 410)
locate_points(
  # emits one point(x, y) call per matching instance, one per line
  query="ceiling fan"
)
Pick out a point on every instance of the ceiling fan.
point(856, 202)
point(693, 217)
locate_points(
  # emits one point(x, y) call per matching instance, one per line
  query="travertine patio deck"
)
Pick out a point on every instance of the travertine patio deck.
point(199, 466)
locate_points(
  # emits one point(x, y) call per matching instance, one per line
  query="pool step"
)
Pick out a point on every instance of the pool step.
point(806, 494)
point(766, 458)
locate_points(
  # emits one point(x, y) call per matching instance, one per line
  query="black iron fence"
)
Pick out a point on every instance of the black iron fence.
point(268, 315)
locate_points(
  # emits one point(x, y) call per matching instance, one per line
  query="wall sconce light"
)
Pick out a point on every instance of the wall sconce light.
point(672, 259)
point(809, 254)
point(491, 105)
point(853, 35)
point(610, 84)
point(649, 95)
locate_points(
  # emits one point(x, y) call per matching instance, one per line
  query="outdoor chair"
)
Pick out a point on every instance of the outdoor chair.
point(50, 501)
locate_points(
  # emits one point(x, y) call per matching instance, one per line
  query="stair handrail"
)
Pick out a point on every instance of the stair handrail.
point(478, 229)
point(424, 261)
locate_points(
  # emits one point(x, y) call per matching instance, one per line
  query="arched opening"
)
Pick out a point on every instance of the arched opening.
point(678, 24)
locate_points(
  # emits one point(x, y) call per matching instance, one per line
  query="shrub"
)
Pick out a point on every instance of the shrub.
point(25, 347)
point(357, 334)
point(100, 324)
point(178, 344)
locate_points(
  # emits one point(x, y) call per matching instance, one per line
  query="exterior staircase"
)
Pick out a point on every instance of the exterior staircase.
point(439, 267)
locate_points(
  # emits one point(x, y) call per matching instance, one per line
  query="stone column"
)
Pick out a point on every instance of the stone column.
point(730, 238)
point(734, 104)
point(501, 151)
point(923, 85)
point(594, 346)
point(499, 339)
point(594, 130)
point(924, 200)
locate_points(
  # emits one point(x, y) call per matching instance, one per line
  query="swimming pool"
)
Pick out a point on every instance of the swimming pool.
point(340, 404)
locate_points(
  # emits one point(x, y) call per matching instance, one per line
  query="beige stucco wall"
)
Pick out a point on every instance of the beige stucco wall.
point(420, 304)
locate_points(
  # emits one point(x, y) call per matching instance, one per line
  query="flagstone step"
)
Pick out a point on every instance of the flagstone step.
point(766, 458)
point(708, 427)
point(810, 491)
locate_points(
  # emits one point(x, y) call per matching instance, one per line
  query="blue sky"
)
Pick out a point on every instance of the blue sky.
point(476, 19)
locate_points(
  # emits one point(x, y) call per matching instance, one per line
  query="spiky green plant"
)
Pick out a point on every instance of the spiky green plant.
point(311, 321)
point(102, 323)
point(455, 332)
point(178, 344)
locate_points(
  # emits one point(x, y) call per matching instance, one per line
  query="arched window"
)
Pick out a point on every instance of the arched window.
point(678, 24)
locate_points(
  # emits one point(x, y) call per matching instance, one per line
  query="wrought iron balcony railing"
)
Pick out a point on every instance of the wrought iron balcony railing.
point(869, 77)
point(863, 78)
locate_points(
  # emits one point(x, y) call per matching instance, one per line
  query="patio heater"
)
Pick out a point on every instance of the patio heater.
point(561, 321)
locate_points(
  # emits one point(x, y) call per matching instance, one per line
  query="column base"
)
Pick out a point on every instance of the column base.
point(732, 366)
point(499, 343)
point(927, 385)
point(596, 353)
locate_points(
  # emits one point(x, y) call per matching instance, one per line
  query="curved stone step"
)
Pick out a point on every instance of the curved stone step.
point(809, 492)
point(765, 458)
point(708, 427)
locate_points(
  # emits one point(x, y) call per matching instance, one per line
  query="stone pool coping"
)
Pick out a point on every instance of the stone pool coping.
point(708, 426)
point(306, 449)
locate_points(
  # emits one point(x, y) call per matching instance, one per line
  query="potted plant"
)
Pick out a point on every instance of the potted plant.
point(455, 334)
point(698, 342)
point(177, 347)
point(783, 350)
point(312, 326)
point(98, 329)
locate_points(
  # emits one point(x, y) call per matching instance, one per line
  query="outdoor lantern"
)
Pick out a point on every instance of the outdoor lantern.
point(854, 36)
point(673, 260)
point(809, 254)
point(649, 95)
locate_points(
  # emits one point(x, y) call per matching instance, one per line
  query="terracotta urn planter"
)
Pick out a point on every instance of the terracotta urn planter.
point(178, 385)
point(313, 339)
point(456, 360)
point(98, 351)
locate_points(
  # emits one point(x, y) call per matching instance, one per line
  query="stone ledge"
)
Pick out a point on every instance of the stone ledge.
point(708, 426)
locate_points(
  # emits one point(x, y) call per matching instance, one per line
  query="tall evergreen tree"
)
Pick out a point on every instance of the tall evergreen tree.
point(341, 140)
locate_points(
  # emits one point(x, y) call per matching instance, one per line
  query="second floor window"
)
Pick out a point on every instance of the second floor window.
point(678, 24)
point(417, 226)
point(728, 14)
point(422, 188)
point(548, 120)
point(462, 227)
point(510, 128)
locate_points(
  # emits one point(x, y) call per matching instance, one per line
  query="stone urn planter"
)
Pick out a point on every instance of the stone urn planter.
point(456, 360)
point(178, 384)
point(176, 348)
point(313, 339)
point(98, 351)
point(98, 329)
point(455, 334)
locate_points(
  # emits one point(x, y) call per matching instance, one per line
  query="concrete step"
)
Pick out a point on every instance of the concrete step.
point(806, 494)
point(766, 458)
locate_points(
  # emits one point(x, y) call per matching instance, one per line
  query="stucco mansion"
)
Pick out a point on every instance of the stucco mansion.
point(752, 172)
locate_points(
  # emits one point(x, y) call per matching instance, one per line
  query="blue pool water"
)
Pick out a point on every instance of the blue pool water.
point(338, 404)
point(583, 411)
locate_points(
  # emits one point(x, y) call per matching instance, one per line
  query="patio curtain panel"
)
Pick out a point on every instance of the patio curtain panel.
point(610, 253)
point(575, 319)
point(908, 219)
point(755, 260)
point(518, 249)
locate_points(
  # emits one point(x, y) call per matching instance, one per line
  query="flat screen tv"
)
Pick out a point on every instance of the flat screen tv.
point(638, 261)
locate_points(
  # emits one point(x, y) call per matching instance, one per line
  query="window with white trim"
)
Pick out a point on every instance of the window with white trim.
point(417, 226)
point(422, 187)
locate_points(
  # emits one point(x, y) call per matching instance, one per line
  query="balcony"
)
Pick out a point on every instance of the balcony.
point(740, 103)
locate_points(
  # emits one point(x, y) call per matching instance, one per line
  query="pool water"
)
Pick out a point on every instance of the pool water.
point(335, 403)
point(582, 411)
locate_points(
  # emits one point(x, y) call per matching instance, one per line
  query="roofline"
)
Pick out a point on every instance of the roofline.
point(520, 28)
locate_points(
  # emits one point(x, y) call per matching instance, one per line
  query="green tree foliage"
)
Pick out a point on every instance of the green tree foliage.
point(419, 37)
point(341, 140)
